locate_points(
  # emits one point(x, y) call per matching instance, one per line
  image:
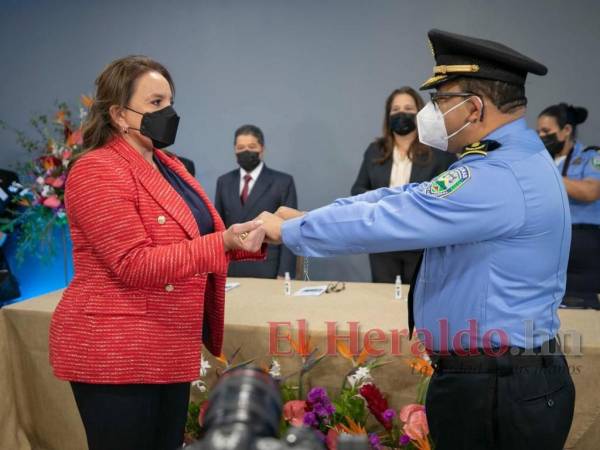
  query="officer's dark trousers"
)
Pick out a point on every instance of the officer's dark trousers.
point(583, 272)
point(483, 406)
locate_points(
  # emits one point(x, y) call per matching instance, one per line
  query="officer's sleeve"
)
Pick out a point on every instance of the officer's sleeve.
point(460, 206)
point(372, 196)
point(592, 165)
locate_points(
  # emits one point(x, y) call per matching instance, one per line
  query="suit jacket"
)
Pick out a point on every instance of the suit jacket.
point(148, 288)
point(373, 175)
point(271, 190)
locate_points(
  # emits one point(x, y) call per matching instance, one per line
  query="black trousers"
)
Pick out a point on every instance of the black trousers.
point(583, 272)
point(528, 408)
point(385, 266)
point(133, 416)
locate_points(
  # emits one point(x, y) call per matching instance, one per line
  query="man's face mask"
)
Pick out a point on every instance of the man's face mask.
point(552, 144)
point(248, 160)
point(160, 126)
point(432, 128)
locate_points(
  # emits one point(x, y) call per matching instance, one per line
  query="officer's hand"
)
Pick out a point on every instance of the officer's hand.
point(288, 213)
point(272, 226)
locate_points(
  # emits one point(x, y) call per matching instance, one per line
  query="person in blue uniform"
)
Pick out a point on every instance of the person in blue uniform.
point(496, 228)
point(580, 168)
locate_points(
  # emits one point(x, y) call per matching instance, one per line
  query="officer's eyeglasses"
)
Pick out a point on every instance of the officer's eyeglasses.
point(437, 96)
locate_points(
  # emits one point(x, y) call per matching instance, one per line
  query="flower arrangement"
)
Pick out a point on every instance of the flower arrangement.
point(38, 201)
point(359, 407)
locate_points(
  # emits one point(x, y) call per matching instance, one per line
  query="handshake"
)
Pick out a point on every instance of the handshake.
point(249, 236)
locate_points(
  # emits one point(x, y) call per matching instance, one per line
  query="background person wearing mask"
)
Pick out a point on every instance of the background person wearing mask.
point(249, 190)
point(394, 159)
point(580, 168)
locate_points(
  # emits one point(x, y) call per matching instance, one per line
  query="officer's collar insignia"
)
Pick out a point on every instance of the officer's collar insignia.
point(447, 182)
point(480, 148)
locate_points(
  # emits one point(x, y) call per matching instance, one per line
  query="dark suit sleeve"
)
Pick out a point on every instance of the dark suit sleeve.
point(363, 181)
point(287, 260)
point(219, 199)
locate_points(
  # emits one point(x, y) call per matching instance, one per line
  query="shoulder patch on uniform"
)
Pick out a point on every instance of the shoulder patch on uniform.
point(596, 161)
point(448, 182)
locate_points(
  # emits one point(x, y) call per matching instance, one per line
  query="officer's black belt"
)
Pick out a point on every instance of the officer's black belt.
point(504, 364)
point(585, 226)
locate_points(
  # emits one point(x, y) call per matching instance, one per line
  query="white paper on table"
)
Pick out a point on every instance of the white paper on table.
point(231, 285)
point(311, 291)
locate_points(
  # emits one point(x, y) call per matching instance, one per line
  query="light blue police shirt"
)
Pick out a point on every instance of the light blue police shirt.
point(496, 230)
point(583, 165)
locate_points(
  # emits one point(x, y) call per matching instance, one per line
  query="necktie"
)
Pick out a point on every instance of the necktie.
point(244, 196)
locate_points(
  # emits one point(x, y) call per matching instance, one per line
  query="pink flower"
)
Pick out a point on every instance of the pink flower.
point(293, 412)
point(415, 421)
point(331, 439)
point(202, 413)
point(55, 182)
point(52, 202)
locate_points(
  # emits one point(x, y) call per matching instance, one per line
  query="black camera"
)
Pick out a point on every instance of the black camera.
point(244, 413)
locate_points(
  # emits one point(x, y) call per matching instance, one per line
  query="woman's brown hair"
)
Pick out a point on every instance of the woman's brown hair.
point(115, 86)
point(417, 152)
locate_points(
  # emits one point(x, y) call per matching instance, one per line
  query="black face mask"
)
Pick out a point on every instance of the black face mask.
point(248, 160)
point(403, 123)
point(160, 126)
point(552, 144)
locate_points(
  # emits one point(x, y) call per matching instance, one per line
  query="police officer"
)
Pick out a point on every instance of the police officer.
point(496, 230)
point(580, 168)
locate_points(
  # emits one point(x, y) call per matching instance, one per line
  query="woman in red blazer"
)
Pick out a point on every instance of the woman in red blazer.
point(151, 256)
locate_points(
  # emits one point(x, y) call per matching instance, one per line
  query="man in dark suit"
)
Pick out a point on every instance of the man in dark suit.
point(249, 190)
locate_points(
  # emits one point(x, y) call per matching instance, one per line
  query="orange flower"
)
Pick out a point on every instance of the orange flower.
point(421, 366)
point(302, 346)
point(75, 138)
point(60, 116)
point(86, 101)
point(222, 358)
point(351, 428)
point(345, 352)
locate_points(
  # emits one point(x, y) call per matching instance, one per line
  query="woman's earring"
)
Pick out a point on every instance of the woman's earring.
point(124, 130)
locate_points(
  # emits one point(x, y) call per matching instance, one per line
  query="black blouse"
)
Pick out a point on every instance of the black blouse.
point(190, 197)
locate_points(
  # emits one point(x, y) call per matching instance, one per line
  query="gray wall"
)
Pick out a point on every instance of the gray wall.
point(313, 74)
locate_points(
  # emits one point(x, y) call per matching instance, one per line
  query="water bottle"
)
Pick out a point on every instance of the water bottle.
point(398, 288)
point(287, 286)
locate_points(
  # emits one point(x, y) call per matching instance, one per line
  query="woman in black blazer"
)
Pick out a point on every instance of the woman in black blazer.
point(394, 159)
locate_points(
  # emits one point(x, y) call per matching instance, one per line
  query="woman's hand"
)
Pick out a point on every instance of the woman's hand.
point(247, 236)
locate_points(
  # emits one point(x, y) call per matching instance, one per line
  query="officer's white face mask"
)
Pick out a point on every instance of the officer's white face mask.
point(432, 128)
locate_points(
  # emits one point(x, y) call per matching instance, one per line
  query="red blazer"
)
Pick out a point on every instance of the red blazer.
point(148, 289)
